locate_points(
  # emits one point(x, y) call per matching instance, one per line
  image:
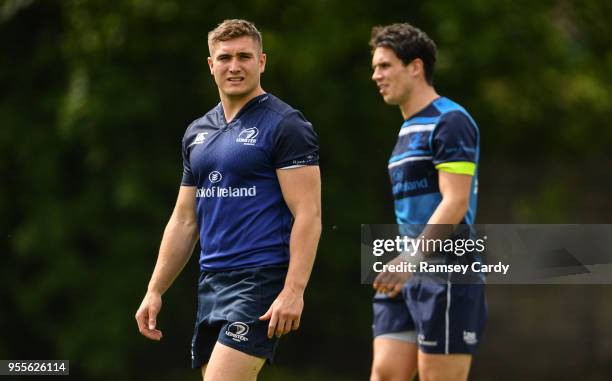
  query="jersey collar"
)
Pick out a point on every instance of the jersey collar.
point(247, 107)
point(428, 111)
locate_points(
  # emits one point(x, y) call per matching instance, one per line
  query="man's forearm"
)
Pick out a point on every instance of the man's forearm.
point(305, 235)
point(450, 212)
point(177, 245)
point(442, 222)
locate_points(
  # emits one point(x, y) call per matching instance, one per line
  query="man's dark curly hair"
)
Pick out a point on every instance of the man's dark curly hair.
point(408, 43)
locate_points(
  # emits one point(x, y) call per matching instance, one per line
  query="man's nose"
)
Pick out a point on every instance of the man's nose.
point(376, 75)
point(234, 65)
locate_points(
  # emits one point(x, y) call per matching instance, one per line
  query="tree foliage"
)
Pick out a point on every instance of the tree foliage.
point(96, 96)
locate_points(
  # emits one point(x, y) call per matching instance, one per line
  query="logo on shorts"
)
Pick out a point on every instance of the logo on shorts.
point(215, 176)
point(469, 337)
point(422, 341)
point(247, 136)
point(237, 331)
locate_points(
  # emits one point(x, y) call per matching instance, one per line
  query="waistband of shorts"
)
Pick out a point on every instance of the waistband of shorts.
point(283, 266)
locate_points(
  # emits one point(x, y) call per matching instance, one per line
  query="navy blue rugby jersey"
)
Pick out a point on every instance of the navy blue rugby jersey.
point(442, 136)
point(242, 216)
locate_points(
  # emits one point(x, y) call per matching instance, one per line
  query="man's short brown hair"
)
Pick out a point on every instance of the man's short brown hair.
point(408, 43)
point(232, 29)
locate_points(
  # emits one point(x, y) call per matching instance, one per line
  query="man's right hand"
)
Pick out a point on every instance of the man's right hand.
point(391, 283)
point(146, 316)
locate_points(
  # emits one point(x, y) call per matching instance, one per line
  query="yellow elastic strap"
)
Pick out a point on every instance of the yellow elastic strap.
point(458, 167)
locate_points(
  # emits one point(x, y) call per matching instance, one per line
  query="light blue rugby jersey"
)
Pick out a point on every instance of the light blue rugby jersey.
point(443, 132)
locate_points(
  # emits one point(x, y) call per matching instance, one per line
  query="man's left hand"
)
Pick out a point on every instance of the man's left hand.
point(285, 312)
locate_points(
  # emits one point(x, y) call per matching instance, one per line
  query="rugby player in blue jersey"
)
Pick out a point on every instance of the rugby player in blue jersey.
point(251, 193)
point(423, 324)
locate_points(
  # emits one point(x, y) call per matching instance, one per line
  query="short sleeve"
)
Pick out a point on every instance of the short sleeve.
point(296, 142)
point(188, 179)
point(454, 139)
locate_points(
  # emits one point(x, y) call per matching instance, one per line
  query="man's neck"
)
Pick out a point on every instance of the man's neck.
point(233, 105)
point(419, 99)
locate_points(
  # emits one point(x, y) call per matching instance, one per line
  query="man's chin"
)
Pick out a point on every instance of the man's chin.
point(390, 101)
point(236, 93)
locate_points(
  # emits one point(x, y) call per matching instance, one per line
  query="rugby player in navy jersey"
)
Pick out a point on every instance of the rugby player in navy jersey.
point(251, 193)
point(420, 323)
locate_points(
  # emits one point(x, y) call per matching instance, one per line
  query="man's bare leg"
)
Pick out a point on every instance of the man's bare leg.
point(393, 360)
point(229, 364)
point(437, 367)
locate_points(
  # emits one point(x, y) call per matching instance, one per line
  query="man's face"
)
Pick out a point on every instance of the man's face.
point(237, 66)
point(394, 79)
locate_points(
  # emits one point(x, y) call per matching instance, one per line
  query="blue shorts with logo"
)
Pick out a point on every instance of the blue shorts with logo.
point(229, 306)
point(447, 317)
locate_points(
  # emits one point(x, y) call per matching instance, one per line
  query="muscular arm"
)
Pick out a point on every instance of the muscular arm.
point(177, 243)
point(301, 189)
point(302, 192)
point(455, 190)
point(176, 247)
point(454, 144)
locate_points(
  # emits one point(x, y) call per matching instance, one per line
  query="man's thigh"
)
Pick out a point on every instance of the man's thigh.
point(229, 364)
point(229, 308)
point(451, 367)
point(393, 360)
point(449, 318)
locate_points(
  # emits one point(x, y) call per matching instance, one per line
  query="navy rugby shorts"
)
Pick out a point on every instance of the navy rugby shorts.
point(229, 306)
point(447, 317)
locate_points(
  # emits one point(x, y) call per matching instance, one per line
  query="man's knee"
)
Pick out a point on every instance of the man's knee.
point(430, 373)
point(433, 375)
point(380, 372)
point(389, 370)
point(443, 367)
point(393, 360)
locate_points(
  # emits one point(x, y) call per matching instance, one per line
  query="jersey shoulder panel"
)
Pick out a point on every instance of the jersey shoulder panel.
point(279, 107)
point(194, 135)
point(295, 141)
point(210, 119)
point(455, 136)
point(450, 109)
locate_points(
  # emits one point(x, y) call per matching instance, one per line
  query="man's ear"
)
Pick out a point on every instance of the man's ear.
point(417, 67)
point(210, 64)
point(262, 62)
